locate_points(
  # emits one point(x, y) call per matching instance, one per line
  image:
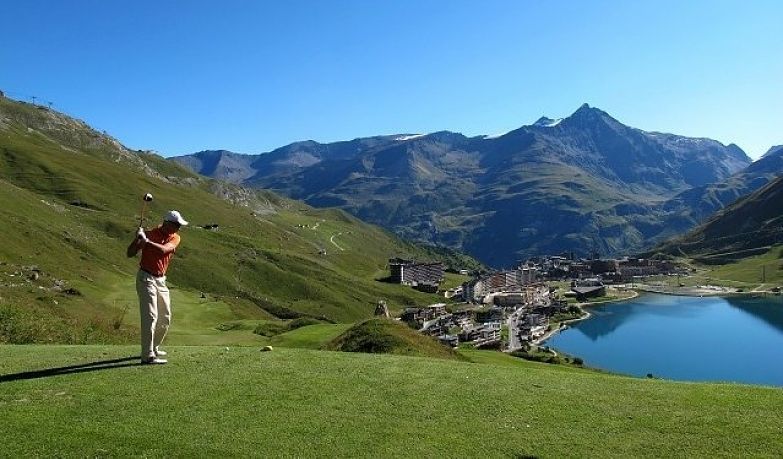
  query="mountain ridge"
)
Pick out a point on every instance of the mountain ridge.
point(481, 194)
point(749, 226)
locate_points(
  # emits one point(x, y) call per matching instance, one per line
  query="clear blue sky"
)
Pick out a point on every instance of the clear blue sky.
point(182, 76)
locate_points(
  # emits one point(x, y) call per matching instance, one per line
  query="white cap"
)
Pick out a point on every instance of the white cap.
point(176, 217)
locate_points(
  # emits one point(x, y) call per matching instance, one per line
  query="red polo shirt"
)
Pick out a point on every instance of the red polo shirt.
point(152, 260)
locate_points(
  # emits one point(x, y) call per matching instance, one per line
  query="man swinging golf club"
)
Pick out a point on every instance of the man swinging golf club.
point(157, 247)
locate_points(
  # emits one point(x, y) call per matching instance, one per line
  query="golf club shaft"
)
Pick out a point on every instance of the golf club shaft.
point(141, 217)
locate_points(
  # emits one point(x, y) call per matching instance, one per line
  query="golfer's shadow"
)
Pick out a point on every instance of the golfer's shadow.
point(81, 368)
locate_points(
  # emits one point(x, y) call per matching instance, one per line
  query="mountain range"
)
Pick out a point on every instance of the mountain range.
point(585, 183)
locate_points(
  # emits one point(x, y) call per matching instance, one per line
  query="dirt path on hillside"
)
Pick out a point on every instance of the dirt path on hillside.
point(331, 239)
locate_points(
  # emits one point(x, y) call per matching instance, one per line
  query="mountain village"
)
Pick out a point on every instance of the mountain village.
point(516, 309)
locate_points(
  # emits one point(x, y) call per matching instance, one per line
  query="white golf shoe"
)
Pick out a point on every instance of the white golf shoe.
point(154, 361)
point(160, 353)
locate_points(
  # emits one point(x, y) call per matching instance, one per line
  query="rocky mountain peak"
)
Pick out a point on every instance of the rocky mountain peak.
point(774, 151)
point(586, 116)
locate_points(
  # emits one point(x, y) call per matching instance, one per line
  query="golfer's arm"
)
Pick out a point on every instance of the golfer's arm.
point(133, 248)
point(163, 248)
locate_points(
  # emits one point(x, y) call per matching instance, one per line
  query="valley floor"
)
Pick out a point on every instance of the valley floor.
point(237, 401)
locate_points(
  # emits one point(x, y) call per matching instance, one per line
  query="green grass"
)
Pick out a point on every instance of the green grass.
point(495, 358)
point(611, 296)
point(309, 337)
point(384, 336)
point(538, 355)
point(747, 273)
point(210, 402)
point(453, 280)
point(749, 270)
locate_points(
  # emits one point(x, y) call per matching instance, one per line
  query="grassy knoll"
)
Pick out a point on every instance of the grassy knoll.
point(292, 402)
point(384, 336)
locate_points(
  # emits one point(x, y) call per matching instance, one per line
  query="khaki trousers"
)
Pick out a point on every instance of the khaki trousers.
point(154, 309)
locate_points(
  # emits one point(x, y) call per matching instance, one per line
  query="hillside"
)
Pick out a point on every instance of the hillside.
point(69, 203)
point(583, 183)
point(692, 207)
point(383, 336)
point(748, 227)
point(301, 403)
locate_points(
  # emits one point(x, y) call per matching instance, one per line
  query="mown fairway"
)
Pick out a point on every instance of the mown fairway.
point(210, 401)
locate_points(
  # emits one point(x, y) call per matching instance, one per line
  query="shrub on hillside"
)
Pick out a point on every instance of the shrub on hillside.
point(29, 326)
point(543, 357)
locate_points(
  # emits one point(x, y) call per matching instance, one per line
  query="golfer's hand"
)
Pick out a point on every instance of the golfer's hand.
point(141, 235)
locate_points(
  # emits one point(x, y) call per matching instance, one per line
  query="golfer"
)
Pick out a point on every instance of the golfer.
point(157, 247)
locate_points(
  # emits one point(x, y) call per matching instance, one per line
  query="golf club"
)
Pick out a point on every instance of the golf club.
point(147, 198)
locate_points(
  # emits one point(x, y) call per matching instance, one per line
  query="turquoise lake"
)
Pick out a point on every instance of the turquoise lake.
point(733, 339)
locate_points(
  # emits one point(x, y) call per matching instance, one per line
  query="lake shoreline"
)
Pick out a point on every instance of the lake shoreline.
point(586, 315)
point(711, 291)
point(706, 291)
point(602, 345)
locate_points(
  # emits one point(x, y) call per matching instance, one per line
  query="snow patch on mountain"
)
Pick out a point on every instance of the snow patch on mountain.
point(409, 137)
point(495, 136)
point(547, 122)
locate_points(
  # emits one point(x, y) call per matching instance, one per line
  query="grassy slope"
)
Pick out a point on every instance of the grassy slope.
point(383, 336)
point(738, 246)
point(750, 269)
point(748, 226)
point(241, 402)
point(453, 280)
point(254, 266)
point(747, 272)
